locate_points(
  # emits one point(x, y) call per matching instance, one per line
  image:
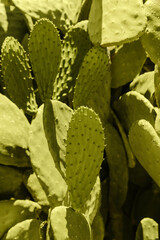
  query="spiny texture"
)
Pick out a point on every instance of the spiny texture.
point(14, 211)
point(126, 63)
point(147, 229)
point(56, 118)
point(45, 55)
point(65, 223)
point(28, 229)
point(17, 75)
point(75, 45)
point(42, 162)
point(123, 21)
point(145, 144)
point(91, 74)
point(118, 168)
point(14, 132)
point(84, 154)
point(133, 106)
point(62, 12)
point(151, 37)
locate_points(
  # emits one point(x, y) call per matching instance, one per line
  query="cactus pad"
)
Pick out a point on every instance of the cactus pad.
point(69, 224)
point(133, 106)
point(126, 63)
point(17, 75)
point(145, 144)
point(48, 175)
point(84, 154)
point(45, 55)
point(14, 132)
point(92, 73)
point(151, 38)
point(147, 229)
point(116, 22)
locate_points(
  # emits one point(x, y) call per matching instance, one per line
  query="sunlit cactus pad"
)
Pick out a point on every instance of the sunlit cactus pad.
point(116, 22)
point(84, 154)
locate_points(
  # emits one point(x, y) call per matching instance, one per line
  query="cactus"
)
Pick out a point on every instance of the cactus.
point(14, 211)
point(126, 63)
point(14, 132)
point(157, 84)
point(147, 229)
point(144, 84)
point(118, 167)
point(34, 187)
point(17, 75)
point(84, 157)
point(65, 223)
point(42, 162)
point(123, 21)
point(94, 66)
point(145, 144)
point(133, 106)
point(45, 55)
point(97, 226)
point(75, 45)
point(151, 38)
point(28, 229)
point(56, 118)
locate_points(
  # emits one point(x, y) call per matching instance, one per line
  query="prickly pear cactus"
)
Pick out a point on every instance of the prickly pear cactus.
point(84, 154)
point(14, 132)
point(28, 229)
point(45, 55)
point(92, 73)
point(147, 230)
point(145, 144)
point(66, 223)
point(14, 211)
point(56, 118)
point(17, 76)
point(42, 162)
point(123, 21)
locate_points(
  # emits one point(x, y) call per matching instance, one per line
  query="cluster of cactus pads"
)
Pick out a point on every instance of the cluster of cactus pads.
point(79, 120)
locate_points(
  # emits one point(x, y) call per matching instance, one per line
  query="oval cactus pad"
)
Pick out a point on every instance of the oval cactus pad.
point(84, 154)
point(45, 55)
point(116, 22)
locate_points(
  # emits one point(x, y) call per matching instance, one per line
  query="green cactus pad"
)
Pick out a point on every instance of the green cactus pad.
point(67, 224)
point(145, 144)
point(34, 187)
point(42, 162)
point(75, 45)
point(10, 181)
point(17, 75)
point(126, 63)
point(133, 106)
point(25, 230)
point(123, 21)
point(157, 84)
point(92, 73)
point(144, 84)
point(63, 13)
point(147, 229)
point(84, 154)
point(118, 167)
point(98, 228)
point(14, 211)
point(85, 9)
point(92, 204)
point(45, 55)
point(14, 132)
point(56, 118)
point(151, 38)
